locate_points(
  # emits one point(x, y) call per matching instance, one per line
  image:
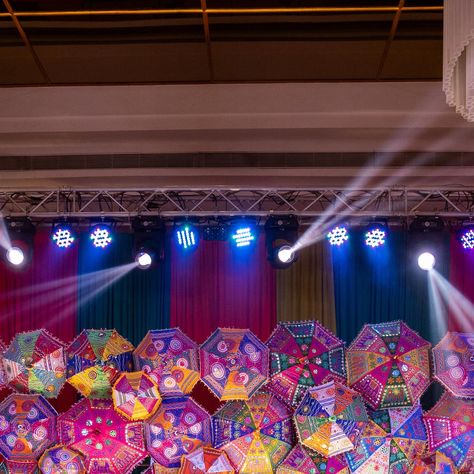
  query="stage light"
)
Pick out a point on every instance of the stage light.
point(426, 261)
point(467, 239)
point(187, 236)
point(281, 234)
point(338, 236)
point(144, 260)
point(243, 235)
point(101, 236)
point(63, 235)
point(15, 256)
point(375, 237)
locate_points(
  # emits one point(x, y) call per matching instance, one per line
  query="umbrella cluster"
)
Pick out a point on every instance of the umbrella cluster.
point(289, 405)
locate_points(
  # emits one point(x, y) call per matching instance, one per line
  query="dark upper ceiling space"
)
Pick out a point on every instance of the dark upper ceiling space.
point(64, 42)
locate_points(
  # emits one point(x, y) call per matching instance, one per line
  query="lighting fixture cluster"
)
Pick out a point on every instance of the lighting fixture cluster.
point(375, 237)
point(338, 236)
point(467, 239)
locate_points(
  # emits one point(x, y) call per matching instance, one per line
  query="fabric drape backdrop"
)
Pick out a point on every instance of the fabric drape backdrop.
point(306, 289)
point(112, 294)
point(217, 286)
point(460, 276)
point(372, 285)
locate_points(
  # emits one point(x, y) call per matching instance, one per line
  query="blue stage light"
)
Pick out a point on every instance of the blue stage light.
point(467, 239)
point(63, 236)
point(338, 236)
point(187, 236)
point(101, 236)
point(243, 235)
point(375, 237)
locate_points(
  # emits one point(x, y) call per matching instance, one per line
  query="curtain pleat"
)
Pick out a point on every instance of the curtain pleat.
point(306, 289)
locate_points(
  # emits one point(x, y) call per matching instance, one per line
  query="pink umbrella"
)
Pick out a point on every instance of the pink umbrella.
point(108, 442)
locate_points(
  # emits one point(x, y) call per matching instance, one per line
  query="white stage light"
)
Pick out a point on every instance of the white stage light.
point(426, 261)
point(285, 254)
point(15, 256)
point(143, 260)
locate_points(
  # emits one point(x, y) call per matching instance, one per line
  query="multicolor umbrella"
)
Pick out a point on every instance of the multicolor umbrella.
point(450, 428)
point(61, 460)
point(303, 355)
point(19, 467)
point(94, 360)
point(436, 463)
point(3, 379)
point(330, 418)
point(135, 396)
point(390, 442)
point(27, 427)
point(206, 460)
point(453, 362)
point(108, 442)
point(301, 460)
point(170, 358)
point(234, 363)
point(34, 362)
point(178, 427)
point(389, 365)
point(256, 434)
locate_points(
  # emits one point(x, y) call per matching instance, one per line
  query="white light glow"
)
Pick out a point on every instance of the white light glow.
point(15, 256)
point(426, 261)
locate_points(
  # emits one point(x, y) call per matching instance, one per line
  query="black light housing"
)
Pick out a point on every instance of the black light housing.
point(281, 233)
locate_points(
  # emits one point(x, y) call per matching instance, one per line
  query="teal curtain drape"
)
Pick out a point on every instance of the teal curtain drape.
point(113, 294)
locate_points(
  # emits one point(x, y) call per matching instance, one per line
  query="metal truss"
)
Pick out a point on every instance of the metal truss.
point(227, 202)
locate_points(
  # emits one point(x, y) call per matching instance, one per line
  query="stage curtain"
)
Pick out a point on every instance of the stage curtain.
point(460, 276)
point(41, 295)
point(306, 289)
point(112, 294)
point(383, 284)
point(217, 286)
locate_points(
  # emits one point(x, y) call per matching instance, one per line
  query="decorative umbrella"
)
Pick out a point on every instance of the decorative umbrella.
point(303, 355)
point(390, 442)
point(108, 442)
point(234, 363)
point(436, 463)
point(453, 361)
point(330, 418)
point(3, 379)
point(135, 396)
point(27, 427)
point(256, 434)
point(34, 362)
point(450, 428)
point(19, 467)
point(171, 359)
point(301, 460)
point(61, 460)
point(94, 360)
point(389, 365)
point(206, 460)
point(178, 427)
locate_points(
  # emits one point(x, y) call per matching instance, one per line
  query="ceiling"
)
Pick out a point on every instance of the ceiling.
point(62, 42)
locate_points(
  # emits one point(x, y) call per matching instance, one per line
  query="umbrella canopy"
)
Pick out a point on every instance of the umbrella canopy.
point(135, 396)
point(171, 359)
point(3, 379)
point(234, 363)
point(18, 467)
point(34, 362)
point(156, 468)
point(178, 427)
point(27, 427)
point(303, 355)
point(390, 442)
point(108, 442)
point(330, 418)
point(94, 360)
point(389, 365)
point(256, 434)
point(450, 428)
point(61, 460)
point(436, 463)
point(301, 460)
point(206, 460)
point(453, 363)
